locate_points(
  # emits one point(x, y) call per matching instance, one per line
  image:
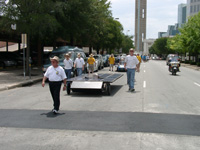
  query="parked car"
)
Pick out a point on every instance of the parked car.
point(13, 56)
point(120, 66)
point(100, 61)
point(105, 60)
point(6, 60)
point(60, 52)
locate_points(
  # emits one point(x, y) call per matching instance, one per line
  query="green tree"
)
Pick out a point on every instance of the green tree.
point(127, 43)
point(160, 47)
point(152, 50)
point(33, 17)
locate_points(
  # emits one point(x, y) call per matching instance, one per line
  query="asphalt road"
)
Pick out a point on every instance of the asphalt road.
point(163, 114)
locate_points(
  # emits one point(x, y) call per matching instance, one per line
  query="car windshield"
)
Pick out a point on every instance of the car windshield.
point(96, 57)
point(122, 62)
point(60, 56)
point(173, 58)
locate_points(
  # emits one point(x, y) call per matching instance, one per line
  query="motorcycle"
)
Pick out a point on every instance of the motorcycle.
point(174, 67)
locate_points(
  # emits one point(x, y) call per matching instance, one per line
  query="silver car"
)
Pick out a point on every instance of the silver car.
point(100, 61)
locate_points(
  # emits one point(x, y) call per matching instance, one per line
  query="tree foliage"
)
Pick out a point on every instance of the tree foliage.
point(79, 22)
point(189, 39)
point(160, 47)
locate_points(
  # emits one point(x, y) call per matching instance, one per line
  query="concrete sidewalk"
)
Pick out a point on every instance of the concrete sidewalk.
point(194, 67)
point(12, 78)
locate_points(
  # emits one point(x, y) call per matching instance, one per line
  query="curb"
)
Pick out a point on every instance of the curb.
point(191, 67)
point(22, 84)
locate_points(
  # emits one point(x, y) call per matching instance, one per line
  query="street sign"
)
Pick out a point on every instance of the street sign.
point(24, 40)
point(24, 43)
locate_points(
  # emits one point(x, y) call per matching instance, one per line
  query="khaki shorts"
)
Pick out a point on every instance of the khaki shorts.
point(111, 65)
point(91, 68)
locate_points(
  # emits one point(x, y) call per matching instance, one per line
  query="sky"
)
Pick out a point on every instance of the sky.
point(160, 14)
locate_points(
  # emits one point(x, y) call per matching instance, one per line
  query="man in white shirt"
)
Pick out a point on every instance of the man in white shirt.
point(131, 64)
point(56, 76)
point(79, 64)
point(68, 64)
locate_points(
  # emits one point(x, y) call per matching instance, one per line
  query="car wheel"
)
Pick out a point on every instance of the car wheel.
point(2, 65)
point(108, 89)
point(68, 89)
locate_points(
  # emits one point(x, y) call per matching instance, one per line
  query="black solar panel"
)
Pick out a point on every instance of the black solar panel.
point(107, 78)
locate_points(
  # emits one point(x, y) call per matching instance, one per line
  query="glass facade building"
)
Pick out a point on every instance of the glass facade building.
point(182, 14)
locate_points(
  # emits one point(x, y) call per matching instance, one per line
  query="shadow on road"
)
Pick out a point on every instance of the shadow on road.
point(177, 75)
point(180, 124)
point(52, 115)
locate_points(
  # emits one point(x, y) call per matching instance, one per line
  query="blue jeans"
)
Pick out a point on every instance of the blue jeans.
point(131, 77)
point(79, 71)
point(68, 74)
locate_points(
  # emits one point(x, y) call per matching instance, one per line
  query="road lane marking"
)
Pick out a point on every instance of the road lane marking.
point(197, 84)
point(144, 71)
point(144, 84)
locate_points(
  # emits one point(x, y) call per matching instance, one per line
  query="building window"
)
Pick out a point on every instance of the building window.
point(195, 10)
point(191, 9)
point(191, 1)
point(143, 15)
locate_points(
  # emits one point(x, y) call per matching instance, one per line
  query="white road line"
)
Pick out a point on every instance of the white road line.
point(197, 84)
point(144, 71)
point(144, 84)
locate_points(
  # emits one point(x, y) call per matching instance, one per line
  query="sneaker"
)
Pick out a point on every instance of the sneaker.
point(55, 111)
point(132, 90)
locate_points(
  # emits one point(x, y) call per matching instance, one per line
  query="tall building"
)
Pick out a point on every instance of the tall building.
point(193, 7)
point(182, 14)
point(140, 24)
point(172, 31)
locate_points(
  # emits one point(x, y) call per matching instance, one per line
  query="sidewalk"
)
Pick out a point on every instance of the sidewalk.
point(194, 67)
point(12, 78)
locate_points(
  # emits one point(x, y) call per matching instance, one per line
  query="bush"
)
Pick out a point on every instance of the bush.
point(192, 63)
point(198, 64)
point(187, 62)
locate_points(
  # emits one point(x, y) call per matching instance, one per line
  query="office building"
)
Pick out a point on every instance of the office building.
point(193, 7)
point(172, 31)
point(182, 14)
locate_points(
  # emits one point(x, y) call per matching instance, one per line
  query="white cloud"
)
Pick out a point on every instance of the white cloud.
point(160, 14)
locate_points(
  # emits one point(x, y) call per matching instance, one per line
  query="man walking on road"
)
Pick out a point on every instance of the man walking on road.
point(140, 59)
point(56, 76)
point(79, 65)
point(111, 61)
point(68, 64)
point(131, 64)
point(91, 63)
